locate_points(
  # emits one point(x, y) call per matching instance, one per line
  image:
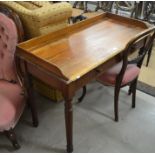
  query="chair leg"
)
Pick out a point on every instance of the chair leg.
point(134, 93)
point(130, 90)
point(85, 7)
point(149, 56)
point(116, 97)
point(83, 94)
point(98, 6)
point(75, 4)
point(12, 137)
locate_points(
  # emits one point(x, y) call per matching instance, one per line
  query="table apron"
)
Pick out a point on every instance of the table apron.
point(73, 86)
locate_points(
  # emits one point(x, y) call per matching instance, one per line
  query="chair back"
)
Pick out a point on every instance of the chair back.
point(140, 45)
point(11, 33)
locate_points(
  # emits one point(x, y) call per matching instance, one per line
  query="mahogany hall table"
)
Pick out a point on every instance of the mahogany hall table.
point(72, 57)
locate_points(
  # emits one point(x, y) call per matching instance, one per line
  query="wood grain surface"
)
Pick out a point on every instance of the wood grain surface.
point(72, 52)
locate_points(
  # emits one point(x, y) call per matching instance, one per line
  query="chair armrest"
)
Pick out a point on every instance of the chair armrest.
point(16, 7)
point(52, 13)
point(41, 3)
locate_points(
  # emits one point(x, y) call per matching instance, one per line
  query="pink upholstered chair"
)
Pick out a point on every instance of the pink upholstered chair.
point(126, 72)
point(12, 95)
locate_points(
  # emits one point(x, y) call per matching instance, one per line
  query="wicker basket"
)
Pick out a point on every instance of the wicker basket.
point(46, 90)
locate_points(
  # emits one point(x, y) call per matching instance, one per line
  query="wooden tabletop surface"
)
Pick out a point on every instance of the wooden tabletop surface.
point(83, 47)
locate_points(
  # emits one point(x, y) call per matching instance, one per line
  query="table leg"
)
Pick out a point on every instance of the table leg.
point(30, 99)
point(69, 124)
point(32, 103)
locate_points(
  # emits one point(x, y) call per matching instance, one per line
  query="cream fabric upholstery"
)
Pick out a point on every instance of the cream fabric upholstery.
point(40, 18)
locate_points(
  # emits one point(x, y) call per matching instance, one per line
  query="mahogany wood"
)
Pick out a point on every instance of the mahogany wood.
point(12, 137)
point(72, 57)
point(92, 44)
point(9, 13)
point(12, 15)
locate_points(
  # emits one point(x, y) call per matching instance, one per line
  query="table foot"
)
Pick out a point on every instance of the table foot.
point(69, 124)
point(69, 149)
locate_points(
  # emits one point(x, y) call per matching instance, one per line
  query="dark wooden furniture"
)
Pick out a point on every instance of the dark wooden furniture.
point(10, 133)
point(145, 10)
point(8, 12)
point(82, 5)
point(74, 56)
point(14, 17)
point(149, 55)
point(140, 46)
point(103, 5)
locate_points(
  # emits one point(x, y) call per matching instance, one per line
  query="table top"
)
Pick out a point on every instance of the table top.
point(73, 51)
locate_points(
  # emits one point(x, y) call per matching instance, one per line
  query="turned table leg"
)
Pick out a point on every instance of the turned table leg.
point(30, 99)
point(69, 124)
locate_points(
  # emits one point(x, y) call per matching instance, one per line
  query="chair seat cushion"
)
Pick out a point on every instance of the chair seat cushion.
point(109, 77)
point(11, 104)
